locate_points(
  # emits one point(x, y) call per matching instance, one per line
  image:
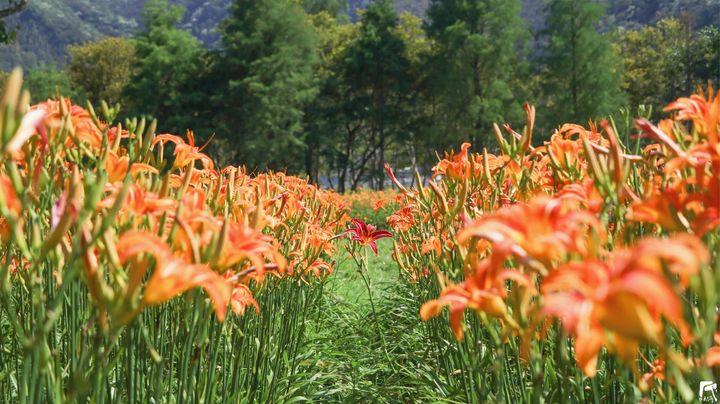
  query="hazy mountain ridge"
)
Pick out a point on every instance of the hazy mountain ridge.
point(46, 27)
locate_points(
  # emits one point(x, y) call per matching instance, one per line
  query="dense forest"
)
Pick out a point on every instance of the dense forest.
point(47, 27)
point(334, 90)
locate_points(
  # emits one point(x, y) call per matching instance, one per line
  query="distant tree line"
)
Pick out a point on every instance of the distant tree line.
point(297, 86)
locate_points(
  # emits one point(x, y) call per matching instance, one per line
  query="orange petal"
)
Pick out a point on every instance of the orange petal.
point(587, 346)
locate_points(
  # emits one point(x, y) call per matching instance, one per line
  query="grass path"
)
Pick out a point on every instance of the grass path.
point(345, 355)
point(346, 285)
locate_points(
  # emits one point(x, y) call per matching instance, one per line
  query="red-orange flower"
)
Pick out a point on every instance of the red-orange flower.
point(403, 219)
point(241, 299)
point(455, 166)
point(246, 243)
point(367, 234)
point(12, 203)
point(82, 125)
point(703, 110)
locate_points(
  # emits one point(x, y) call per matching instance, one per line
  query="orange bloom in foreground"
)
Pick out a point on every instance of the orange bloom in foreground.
point(544, 229)
point(703, 110)
point(82, 124)
point(483, 292)
point(172, 275)
point(12, 203)
point(619, 303)
point(246, 243)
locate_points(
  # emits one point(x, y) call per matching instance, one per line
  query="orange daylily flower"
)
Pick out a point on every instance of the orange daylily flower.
point(689, 203)
point(380, 204)
point(585, 193)
point(12, 203)
point(117, 167)
point(618, 303)
point(246, 243)
point(242, 298)
point(402, 220)
point(712, 357)
point(431, 244)
point(683, 255)
point(185, 153)
point(663, 210)
point(139, 204)
point(455, 166)
point(82, 124)
point(544, 229)
point(565, 154)
point(171, 276)
point(320, 268)
point(703, 110)
point(483, 292)
point(657, 372)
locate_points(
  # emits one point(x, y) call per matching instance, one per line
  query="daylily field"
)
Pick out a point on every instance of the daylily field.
point(580, 269)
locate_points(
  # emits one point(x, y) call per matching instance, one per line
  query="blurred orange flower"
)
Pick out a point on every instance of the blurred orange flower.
point(171, 276)
point(619, 303)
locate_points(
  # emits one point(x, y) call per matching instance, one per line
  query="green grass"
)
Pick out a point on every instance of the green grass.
point(346, 285)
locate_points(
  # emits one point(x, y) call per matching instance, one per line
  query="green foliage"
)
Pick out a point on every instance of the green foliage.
point(102, 69)
point(6, 36)
point(266, 72)
point(666, 60)
point(48, 82)
point(705, 64)
point(346, 350)
point(477, 52)
point(335, 8)
point(582, 74)
point(168, 60)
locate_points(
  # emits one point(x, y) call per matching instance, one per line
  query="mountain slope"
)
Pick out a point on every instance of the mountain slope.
point(47, 27)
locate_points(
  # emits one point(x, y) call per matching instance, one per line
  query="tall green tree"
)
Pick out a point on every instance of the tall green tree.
point(168, 60)
point(266, 68)
point(582, 74)
point(655, 68)
point(668, 60)
point(324, 122)
point(47, 82)
point(479, 46)
point(705, 63)
point(102, 69)
point(376, 75)
point(335, 8)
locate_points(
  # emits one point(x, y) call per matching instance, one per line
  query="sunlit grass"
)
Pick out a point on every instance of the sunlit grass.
point(347, 285)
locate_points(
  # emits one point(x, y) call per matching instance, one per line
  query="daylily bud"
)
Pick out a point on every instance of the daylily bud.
point(27, 128)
